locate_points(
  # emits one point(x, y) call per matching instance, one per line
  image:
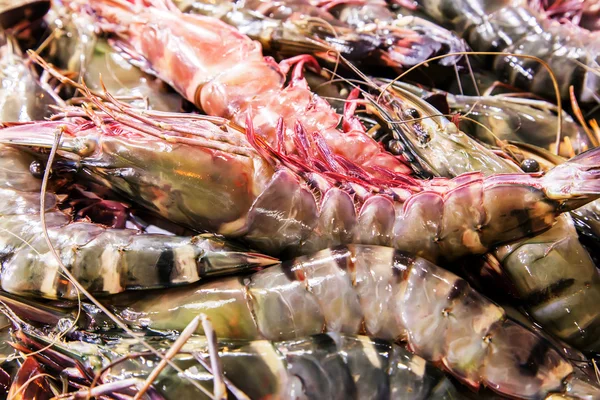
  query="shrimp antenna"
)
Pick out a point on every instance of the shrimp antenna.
point(473, 80)
point(113, 363)
point(356, 83)
point(580, 118)
point(367, 80)
point(215, 363)
point(215, 366)
point(335, 34)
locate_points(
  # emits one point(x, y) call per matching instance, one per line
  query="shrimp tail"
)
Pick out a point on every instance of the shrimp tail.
point(576, 181)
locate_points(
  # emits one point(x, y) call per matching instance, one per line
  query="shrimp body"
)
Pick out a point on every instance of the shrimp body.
point(280, 203)
point(375, 290)
point(513, 27)
point(332, 366)
point(104, 260)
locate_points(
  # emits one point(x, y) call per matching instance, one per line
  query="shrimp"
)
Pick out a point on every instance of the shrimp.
point(366, 16)
point(554, 274)
point(297, 27)
point(513, 27)
point(104, 260)
point(377, 290)
point(280, 203)
point(207, 61)
point(348, 367)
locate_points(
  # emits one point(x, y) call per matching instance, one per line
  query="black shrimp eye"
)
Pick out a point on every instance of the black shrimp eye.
point(37, 169)
point(412, 113)
point(530, 165)
point(395, 147)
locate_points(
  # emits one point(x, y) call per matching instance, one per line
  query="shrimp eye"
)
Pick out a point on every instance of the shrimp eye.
point(395, 147)
point(37, 169)
point(412, 113)
point(530, 165)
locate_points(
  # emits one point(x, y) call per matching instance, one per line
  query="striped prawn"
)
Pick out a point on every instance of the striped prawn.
point(183, 167)
point(104, 260)
point(375, 290)
point(208, 62)
point(329, 366)
point(553, 274)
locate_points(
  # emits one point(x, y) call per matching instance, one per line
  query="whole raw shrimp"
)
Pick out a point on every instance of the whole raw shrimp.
point(224, 73)
point(331, 365)
point(553, 274)
point(184, 166)
point(353, 289)
point(513, 27)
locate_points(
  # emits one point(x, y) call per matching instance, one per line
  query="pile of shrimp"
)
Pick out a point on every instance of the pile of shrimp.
point(290, 199)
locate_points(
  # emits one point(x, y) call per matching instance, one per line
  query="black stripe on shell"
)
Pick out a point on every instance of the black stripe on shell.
point(553, 290)
point(165, 265)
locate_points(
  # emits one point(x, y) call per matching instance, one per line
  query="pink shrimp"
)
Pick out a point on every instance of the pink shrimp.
point(225, 74)
point(185, 167)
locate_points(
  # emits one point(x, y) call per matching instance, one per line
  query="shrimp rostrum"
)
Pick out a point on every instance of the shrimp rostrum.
point(104, 260)
point(183, 167)
point(331, 366)
point(376, 290)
